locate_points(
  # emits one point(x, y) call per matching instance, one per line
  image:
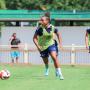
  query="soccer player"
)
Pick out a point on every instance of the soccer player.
point(87, 39)
point(14, 53)
point(44, 41)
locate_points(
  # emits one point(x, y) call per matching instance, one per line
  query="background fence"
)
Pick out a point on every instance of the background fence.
point(72, 54)
point(69, 55)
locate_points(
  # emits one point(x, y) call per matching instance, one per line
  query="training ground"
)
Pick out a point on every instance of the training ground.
point(29, 77)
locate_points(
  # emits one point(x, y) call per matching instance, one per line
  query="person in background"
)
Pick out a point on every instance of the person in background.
point(14, 53)
point(87, 39)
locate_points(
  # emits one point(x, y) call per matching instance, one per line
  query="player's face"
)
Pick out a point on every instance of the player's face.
point(14, 35)
point(44, 21)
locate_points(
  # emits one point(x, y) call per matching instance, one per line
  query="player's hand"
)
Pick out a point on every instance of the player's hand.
point(86, 47)
point(61, 47)
point(39, 48)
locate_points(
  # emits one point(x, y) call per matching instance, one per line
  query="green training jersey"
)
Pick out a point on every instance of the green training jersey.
point(46, 38)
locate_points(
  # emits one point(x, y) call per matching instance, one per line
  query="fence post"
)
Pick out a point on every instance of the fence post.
point(26, 54)
point(73, 55)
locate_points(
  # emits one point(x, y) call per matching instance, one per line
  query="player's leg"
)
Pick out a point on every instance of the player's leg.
point(12, 56)
point(53, 54)
point(45, 60)
point(16, 59)
point(56, 64)
point(17, 56)
point(44, 55)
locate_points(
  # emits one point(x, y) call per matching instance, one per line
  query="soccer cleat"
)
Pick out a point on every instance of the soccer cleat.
point(61, 77)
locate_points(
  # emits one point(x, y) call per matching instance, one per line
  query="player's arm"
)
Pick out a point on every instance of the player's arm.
point(58, 34)
point(86, 40)
point(35, 40)
point(11, 39)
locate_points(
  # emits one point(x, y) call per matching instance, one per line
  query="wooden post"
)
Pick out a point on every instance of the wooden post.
point(73, 55)
point(26, 53)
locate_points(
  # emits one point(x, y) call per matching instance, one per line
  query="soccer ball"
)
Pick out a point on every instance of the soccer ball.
point(5, 74)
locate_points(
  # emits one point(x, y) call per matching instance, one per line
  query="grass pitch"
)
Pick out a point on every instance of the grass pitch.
point(32, 78)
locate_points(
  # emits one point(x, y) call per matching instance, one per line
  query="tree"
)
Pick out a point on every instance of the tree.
point(2, 4)
point(48, 4)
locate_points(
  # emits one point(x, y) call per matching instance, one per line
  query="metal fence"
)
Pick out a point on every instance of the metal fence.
point(69, 55)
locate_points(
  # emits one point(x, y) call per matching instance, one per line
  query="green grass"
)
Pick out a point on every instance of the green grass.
point(32, 78)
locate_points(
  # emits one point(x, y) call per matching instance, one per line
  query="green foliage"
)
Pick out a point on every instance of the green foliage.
point(13, 4)
point(2, 4)
point(48, 4)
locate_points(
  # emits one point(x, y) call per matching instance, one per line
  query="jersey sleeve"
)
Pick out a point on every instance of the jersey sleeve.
point(39, 32)
point(88, 31)
point(36, 32)
point(56, 30)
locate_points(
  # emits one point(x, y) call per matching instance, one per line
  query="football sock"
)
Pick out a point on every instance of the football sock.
point(46, 70)
point(58, 71)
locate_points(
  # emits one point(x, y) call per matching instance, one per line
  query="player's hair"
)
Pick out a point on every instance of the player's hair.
point(47, 14)
point(14, 33)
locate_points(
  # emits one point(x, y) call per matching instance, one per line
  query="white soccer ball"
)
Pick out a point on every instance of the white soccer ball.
point(5, 74)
